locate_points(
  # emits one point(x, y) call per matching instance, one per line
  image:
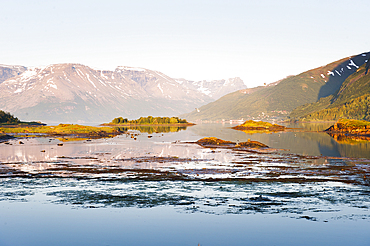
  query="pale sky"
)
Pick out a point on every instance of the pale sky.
point(259, 41)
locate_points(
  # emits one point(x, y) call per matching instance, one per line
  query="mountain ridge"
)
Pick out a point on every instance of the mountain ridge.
point(74, 92)
point(277, 100)
point(351, 100)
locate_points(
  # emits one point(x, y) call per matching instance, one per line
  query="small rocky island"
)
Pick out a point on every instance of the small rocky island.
point(150, 120)
point(251, 125)
point(212, 142)
point(350, 127)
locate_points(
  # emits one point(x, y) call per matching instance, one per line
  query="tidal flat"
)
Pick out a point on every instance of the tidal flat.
point(163, 189)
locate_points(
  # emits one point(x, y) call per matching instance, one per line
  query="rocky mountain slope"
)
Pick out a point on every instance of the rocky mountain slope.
point(74, 92)
point(7, 71)
point(279, 99)
point(351, 101)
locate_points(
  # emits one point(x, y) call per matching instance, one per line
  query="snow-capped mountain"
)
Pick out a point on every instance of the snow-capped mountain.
point(159, 85)
point(334, 77)
point(215, 88)
point(74, 92)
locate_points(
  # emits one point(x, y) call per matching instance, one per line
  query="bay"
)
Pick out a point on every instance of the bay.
point(224, 197)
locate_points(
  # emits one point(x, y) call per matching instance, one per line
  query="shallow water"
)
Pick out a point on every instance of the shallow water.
point(159, 190)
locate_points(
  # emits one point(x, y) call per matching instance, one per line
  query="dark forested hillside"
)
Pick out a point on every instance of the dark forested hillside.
point(7, 118)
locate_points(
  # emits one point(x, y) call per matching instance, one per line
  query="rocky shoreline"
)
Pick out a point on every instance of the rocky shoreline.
point(60, 131)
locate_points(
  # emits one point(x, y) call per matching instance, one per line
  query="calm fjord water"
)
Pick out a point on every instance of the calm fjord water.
point(99, 192)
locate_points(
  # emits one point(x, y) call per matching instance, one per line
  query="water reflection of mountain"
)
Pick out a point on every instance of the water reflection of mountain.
point(308, 142)
point(308, 126)
point(349, 139)
point(152, 129)
point(347, 147)
point(336, 145)
point(222, 131)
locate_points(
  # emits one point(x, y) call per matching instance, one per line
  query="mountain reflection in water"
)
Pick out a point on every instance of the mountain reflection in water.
point(309, 140)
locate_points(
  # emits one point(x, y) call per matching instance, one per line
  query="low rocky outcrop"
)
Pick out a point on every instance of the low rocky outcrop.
point(252, 144)
point(350, 127)
point(213, 142)
point(251, 125)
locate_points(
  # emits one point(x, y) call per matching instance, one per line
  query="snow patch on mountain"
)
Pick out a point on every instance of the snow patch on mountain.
point(18, 90)
point(88, 77)
point(102, 75)
point(29, 74)
point(351, 63)
point(159, 87)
